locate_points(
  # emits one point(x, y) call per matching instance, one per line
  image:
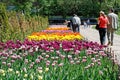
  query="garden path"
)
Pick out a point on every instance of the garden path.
point(93, 35)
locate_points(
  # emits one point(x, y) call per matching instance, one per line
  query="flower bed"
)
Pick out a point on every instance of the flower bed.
point(56, 60)
point(55, 33)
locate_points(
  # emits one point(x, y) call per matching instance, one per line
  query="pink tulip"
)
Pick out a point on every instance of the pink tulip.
point(98, 60)
point(92, 64)
point(51, 50)
point(47, 56)
point(61, 64)
point(48, 61)
point(5, 54)
point(4, 63)
point(1, 53)
point(88, 52)
point(72, 62)
point(99, 63)
point(14, 56)
point(31, 65)
point(12, 61)
point(53, 64)
point(84, 60)
point(84, 57)
point(43, 53)
point(24, 54)
point(52, 58)
point(4, 58)
point(40, 57)
point(97, 56)
point(77, 52)
point(9, 64)
point(26, 61)
point(19, 57)
point(75, 58)
point(47, 64)
point(24, 69)
point(62, 57)
point(77, 62)
point(102, 53)
point(69, 56)
point(39, 68)
point(37, 61)
point(58, 52)
point(57, 57)
point(87, 67)
point(100, 72)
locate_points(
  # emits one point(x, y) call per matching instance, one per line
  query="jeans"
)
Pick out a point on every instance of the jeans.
point(102, 33)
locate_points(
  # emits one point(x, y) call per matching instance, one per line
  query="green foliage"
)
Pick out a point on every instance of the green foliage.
point(85, 8)
point(4, 23)
point(15, 25)
point(73, 66)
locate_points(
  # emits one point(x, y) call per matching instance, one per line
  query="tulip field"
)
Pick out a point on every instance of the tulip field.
point(56, 53)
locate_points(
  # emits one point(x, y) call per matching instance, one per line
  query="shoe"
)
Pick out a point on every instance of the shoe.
point(109, 43)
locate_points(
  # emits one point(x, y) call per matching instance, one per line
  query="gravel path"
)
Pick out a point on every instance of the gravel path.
point(93, 35)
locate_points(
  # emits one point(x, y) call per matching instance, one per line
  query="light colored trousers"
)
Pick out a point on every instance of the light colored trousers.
point(110, 35)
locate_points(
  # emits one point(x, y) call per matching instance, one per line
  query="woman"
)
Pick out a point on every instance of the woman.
point(103, 22)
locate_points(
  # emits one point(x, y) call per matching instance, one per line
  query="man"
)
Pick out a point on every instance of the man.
point(112, 27)
point(76, 23)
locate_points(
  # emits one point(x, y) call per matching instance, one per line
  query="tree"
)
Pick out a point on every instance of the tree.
point(85, 8)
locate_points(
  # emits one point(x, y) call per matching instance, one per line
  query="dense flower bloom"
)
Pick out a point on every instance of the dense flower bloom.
point(50, 53)
point(55, 33)
point(55, 36)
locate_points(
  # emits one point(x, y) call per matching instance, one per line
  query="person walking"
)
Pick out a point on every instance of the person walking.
point(103, 22)
point(85, 24)
point(88, 23)
point(76, 23)
point(68, 23)
point(112, 27)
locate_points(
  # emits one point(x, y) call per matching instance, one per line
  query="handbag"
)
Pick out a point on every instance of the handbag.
point(97, 27)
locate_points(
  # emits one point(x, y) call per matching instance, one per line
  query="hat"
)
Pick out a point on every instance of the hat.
point(101, 12)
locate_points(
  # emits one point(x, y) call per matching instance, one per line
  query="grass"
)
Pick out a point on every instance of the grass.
point(118, 31)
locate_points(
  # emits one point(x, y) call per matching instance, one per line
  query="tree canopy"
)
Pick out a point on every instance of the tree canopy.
point(84, 8)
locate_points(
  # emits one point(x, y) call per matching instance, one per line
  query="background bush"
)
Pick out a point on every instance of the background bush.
point(15, 25)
